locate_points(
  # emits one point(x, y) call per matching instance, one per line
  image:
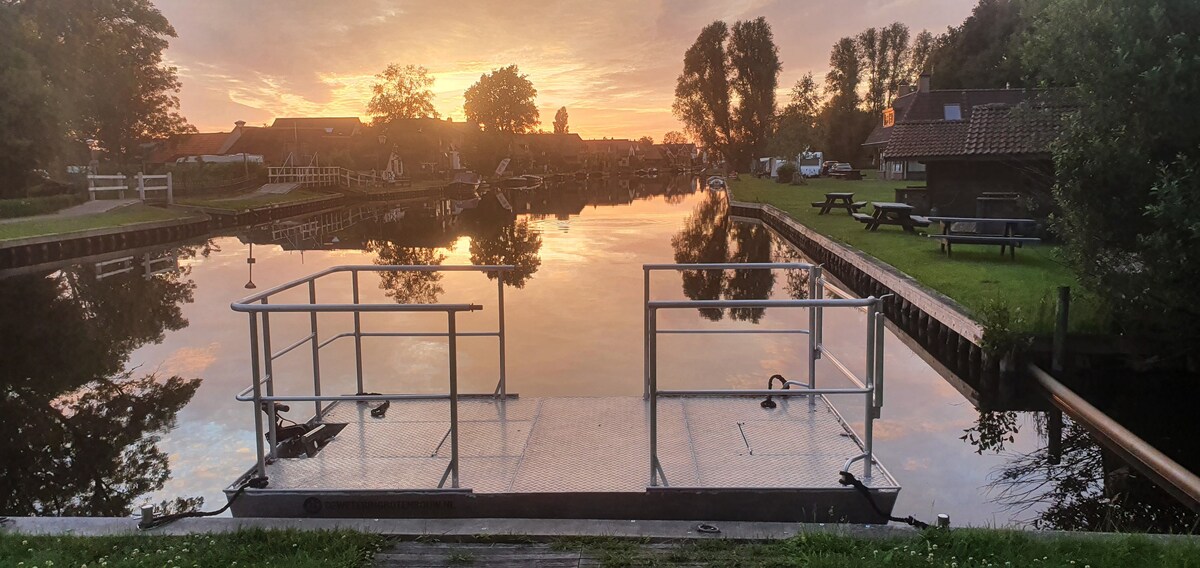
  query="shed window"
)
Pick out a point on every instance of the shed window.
point(953, 112)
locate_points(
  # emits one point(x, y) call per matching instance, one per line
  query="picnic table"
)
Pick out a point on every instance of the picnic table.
point(972, 235)
point(888, 213)
point(835, 200)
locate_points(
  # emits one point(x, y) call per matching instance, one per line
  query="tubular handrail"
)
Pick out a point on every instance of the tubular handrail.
point(254, 298)
point(323, 308)
point(871, 386)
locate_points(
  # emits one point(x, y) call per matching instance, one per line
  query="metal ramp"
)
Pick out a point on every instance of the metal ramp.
point(714, 455)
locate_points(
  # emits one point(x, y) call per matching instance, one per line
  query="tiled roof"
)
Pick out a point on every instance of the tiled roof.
point(999, 129)
point(930, 105)
point(926, 138)
point(881, 133)
point(189, 145)
point(338, 126)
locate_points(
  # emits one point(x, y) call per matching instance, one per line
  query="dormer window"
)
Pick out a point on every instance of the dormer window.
point(952, 111)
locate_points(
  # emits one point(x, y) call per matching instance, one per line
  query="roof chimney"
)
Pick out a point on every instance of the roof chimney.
point(923, 83)
point(239, 124)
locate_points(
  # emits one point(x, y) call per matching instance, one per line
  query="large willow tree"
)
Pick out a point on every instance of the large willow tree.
point(726, 93)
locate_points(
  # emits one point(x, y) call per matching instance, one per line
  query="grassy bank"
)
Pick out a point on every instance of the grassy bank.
point(245, 202)
point(963, 548)
point(290, 549)
point(977, 277)
point(124, 216)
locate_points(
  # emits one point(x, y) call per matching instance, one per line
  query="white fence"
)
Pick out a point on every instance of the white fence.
point(120, 184)
point(323, 176)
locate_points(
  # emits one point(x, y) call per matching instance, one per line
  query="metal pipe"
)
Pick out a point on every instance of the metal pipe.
point(289, 348)
point(363, 397)
point(645, 332)
point(371, 268)
point(358, 365)
point(819, 328)
point(880, 323)
point(500, 335)
point(257, 388)
point(734, 331)
point(675, 304)
point(653, 391)
point(761, 392)
point(453, 400)
point(272, 435)
point(813, 351)
point(729, 266)
point(1172, 477)
point(316, 348)
point(840, 366)
point(869, 418)
point(360, 307)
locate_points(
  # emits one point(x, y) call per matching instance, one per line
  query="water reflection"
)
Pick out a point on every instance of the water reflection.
point(710, 236)
point(513, 243)
point(408, 287)
point(81, 431)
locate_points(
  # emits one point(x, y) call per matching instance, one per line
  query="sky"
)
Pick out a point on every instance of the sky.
point(613, 64)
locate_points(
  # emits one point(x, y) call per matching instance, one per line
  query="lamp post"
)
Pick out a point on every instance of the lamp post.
point(250, 264)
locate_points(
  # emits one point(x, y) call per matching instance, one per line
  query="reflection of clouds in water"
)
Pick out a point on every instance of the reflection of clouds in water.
point(190, 361)
point(915, 464)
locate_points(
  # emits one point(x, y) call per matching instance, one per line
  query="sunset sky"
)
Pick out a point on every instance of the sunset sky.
point(612, 64)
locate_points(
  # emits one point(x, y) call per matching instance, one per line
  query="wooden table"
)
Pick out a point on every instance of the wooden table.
point(1006, 239)
point(889, 213)
point(836, 200)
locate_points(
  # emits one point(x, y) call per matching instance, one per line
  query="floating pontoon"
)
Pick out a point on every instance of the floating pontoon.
point(667, 454)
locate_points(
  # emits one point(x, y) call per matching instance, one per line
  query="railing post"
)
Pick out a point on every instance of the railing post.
point(91, 188)
point(815, 287)
point(268, 367)
point(880, 326)
point(453, 400)
point(358, 366)
point(170, 189)
point(124, 184)
point(141, 181)
point(500, 317)
point(645, 332)
point(653, 391)
point(316, 345)
point(261, 464)
point(869, 418)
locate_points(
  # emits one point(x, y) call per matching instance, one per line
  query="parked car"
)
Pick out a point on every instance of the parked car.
point(826, 167)
point(841, 167)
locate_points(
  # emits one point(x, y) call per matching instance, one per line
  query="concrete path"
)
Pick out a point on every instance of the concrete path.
point(85, 208)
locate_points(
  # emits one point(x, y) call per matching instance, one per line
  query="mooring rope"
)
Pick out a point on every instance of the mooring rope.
point(155, 522)
point(849, 479)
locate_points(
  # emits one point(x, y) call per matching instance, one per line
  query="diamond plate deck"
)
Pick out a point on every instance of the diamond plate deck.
point(581, 445)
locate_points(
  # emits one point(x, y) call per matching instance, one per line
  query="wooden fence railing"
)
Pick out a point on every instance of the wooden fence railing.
point(120, 184)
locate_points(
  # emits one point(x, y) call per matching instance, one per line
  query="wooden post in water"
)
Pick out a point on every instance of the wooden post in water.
point(1058, 356)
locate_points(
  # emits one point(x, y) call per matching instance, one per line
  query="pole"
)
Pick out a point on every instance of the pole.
point(316, 346)
point(254, 377)
point(500, 316)
point(653, 391)
point(453, 400)
point(1054, 417)
point(358, 366)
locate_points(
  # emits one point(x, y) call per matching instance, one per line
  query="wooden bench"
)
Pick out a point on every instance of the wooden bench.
point(1008, 239)
point(919, 221)
point(1011, 242)
point(862, 217)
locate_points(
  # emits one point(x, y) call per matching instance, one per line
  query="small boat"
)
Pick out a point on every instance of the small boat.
point(716, 183)
point(465, 185)
point(532, 181)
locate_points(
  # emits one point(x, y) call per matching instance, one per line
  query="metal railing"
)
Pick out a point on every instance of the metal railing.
point(870, 385)
point(261, 391)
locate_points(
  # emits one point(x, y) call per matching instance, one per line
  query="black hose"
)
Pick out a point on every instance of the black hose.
point(770, 383)
point(849, 479)
point(155, 522)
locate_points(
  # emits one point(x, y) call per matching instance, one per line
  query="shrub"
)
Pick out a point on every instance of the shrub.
point(785, 173)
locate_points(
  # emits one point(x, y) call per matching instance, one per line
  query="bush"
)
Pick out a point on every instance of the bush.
point(785, 173)
point(11, 208)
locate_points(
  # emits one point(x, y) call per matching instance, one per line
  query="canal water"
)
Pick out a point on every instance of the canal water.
point(120, 373)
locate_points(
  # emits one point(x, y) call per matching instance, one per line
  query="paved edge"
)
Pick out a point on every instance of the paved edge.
point(185, 219)
point(453, 529)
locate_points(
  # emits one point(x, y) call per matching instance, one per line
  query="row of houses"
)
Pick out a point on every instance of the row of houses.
point(426, 145)
point(969, 143)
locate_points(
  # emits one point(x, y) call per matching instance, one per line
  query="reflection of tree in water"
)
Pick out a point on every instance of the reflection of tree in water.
point(513, 242)
point(796, 280)
point(709, 236)
point(81, 433)
point(408, 287)
point(1087, 489)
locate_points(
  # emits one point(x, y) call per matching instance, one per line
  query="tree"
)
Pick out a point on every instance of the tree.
point(502, 101)
point(797, 126)
point(401, 92)
point(726, 94)
point(560, 121)
point(408, 287)
point(104, 60)
point(646, 141)
point(27, 117)
point(1128, 160)
point(919, 55)
point(674, 137)
point(984, 51)
point(702, 90)
point(845, 123)
point(754, 59)
point(513, 242)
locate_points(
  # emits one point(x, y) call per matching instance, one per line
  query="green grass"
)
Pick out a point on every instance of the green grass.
point(286, 549)
point(117, 218)
point(229, 203)
point(30, 206)
point(976, 277)
point(961, 548)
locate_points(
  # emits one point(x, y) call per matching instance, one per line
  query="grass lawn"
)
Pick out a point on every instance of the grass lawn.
point(249, 548)
point(961, 548)
point(117, 218)
point(234, 203)
point(30, 206)
point(975, 276)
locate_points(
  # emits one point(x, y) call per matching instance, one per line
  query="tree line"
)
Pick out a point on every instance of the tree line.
point(78, 76)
